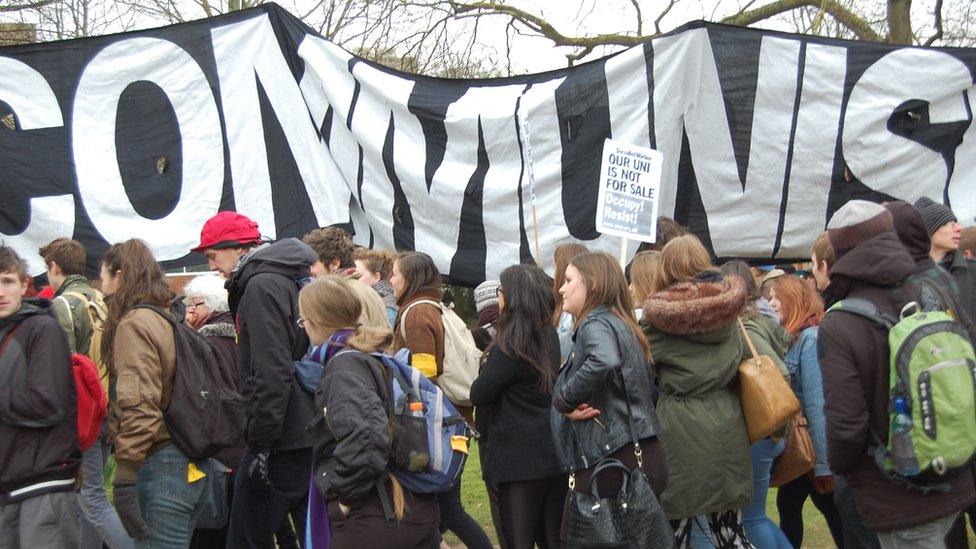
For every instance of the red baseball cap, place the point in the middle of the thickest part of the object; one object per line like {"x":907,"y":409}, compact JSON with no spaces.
{"x":228,"y":227}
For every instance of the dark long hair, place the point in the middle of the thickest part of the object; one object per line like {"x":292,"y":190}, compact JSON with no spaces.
{"x":523,"y":324}
{"x":419,"y":274}
{"x":141,"y":280}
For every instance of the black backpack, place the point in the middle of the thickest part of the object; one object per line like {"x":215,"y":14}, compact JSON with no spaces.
{"x":206,"y":411}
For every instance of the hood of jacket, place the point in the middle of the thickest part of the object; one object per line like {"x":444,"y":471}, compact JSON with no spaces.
{"x":219,"y":324}
{"x":880,"y":261}
{"x":289,"y":257}
{"x":699,"y":306}
{"x":28,"y":308}
{"x":910,"y":229}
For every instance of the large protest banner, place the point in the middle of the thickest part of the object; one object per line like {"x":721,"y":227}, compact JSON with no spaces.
{"x":763,"y":135}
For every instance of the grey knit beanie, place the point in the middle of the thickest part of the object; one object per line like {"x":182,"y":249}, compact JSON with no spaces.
{"x":486,"y":294}
{"x":856,"y":222}
{"x":934,"y":215}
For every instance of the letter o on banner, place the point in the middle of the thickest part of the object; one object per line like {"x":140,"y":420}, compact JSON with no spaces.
{"x":102,"y":83}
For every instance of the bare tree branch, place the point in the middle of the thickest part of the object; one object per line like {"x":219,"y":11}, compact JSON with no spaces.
{"x":660,"y":17}
{"x":857,"y":24}
{"x":640,"y":18}
{"x":938,"y":24}
{"x":8,"y":8}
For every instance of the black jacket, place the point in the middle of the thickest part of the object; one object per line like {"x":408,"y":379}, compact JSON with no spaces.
{"x":603,"y":347}
{"x":39,"y":449}
{"x":854,"y":359}
{"x":263,"y":296}
{"x":351,"y":430}
{"x":964,"y":272}
{"x":512,"y":416}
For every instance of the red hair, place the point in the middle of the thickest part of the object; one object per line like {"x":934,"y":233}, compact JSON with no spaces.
{"x":800,"y":305}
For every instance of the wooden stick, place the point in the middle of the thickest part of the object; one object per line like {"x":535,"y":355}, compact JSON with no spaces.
{"x":535,"y":231}
{"x":623,"y":252}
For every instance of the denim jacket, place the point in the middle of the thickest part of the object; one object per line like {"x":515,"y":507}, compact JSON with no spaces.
{"x":804,"y":367}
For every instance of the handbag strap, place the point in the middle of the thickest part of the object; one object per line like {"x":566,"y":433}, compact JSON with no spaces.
{"x":638,"y":453}
{"x":745,"y":334}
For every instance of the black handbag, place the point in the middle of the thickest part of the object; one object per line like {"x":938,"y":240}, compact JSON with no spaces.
{"x":632,"y":519}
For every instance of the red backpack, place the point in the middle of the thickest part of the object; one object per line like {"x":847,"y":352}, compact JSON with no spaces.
{"x":91,"y":400}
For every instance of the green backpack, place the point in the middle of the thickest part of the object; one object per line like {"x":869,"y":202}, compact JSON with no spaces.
{"x":932,"y":398}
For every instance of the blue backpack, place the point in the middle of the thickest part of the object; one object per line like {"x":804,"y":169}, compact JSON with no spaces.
{"x":429,"y":444}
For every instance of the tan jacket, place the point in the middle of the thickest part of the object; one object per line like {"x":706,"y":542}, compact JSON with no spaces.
{"x":143,"y":366}
{"x":423,"y":333}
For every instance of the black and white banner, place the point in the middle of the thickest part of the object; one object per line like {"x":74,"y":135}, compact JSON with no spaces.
{"x":763,"y":135}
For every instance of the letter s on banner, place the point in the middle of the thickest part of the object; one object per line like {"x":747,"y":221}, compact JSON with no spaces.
{"x":35,"y":106}
{"x":93,"y":143}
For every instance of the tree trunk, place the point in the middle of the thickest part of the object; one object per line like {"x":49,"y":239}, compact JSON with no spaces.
{"x":900,"y":22}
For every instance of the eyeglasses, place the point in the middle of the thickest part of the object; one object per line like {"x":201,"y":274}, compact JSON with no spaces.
{"x":195,"y":305}
{"x":301,"y":322}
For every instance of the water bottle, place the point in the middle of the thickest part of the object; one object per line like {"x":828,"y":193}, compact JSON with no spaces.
{"x":902,"y":453}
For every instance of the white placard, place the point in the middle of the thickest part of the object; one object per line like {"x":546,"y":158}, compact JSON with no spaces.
{"x":630,"y":183}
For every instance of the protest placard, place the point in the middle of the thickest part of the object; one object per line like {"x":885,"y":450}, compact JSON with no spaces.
{"x":630,"y":184}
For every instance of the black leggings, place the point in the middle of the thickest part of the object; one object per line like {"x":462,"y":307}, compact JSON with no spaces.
{"x":789,"y":502}
{"x":457,"y":520}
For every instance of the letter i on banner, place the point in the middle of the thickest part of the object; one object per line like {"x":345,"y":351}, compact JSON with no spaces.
{"x":530,"y":171}
{"x":630,"y":184}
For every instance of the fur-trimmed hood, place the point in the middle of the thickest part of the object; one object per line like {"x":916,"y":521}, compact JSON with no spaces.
{"x":698,"y":306}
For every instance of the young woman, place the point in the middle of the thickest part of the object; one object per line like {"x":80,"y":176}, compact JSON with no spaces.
{"x":609,"y":365}
{"x":375,"y":268}
{"x":352,"y":439}
{"x":513,"y":394}
{"x":417,"y":285}
{"x":691,"y":325}
{"x":800,"y":309}
{"x":771,"y":340}
{"x":157,"y":503}
{"x":562,"y":320}
{"x":643,"y":278}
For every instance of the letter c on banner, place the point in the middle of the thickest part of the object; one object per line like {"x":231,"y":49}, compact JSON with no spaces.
{"x":102,"y":83}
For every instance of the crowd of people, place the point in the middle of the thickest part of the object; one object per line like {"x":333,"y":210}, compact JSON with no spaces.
{"x":594,"y":365}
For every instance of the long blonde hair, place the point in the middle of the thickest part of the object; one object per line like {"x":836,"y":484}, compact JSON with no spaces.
{"x":330,"y":304}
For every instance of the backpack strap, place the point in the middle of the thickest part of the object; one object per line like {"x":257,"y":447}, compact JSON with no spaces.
{"x":403,"y":315}
{"x":865,"y":309}
{"x":160,"y":311}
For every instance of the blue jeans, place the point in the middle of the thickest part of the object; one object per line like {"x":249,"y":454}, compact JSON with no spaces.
{"x":169,"y":503}
{"x":761,"y":531}
{"x":99,"y":520}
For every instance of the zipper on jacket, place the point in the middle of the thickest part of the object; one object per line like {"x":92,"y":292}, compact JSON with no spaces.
{"x":325,"y":415}
{"x":586,"y":464}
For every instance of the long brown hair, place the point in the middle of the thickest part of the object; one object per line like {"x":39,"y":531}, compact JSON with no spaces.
{"x":523,"y":323}
{"x":800,"y":305}
{"x":140,"y":281}
{"x":330,"y":304}
{"x":683,"y":259}
{"x":419,"y":275}
{"x":606,"y":285}
{"x":560,"y":258}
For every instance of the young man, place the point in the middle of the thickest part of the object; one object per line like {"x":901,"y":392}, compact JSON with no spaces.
{"x":854,"y":356}
{"x":263,"y":281}
{"x":334,"y":249}
{"x":945,"y":232}
{"x":64,"y":260}
{"x":39,"y":453}
{"x":967,"y":242}
{"x":823,"y":259}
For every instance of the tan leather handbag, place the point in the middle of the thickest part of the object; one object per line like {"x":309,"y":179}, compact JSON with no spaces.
{"x":768,"y":401}
{"x":798,"y":457}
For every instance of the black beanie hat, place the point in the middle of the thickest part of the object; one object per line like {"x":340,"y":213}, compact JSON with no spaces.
{"x":934,"y":215}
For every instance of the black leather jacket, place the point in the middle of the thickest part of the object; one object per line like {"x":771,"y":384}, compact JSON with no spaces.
{"x":603,"y":349}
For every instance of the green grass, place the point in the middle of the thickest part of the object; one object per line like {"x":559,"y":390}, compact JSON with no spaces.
{"x":475,"y":499}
